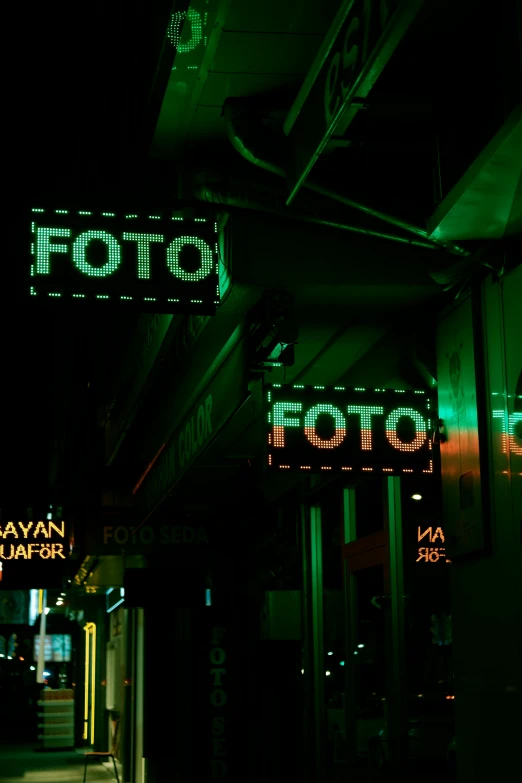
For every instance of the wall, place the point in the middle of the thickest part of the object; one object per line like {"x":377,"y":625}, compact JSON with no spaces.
{"x":487,"y":618}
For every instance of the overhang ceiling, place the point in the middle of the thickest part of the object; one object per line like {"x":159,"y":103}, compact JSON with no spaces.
{"x":245,"y":49}
{"x":486,"y":203}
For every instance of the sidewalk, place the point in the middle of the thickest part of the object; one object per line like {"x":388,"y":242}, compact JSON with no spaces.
{"x":22,"y":764}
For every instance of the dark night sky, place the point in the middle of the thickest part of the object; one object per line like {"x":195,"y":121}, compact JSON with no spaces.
{"x":54,"y":105}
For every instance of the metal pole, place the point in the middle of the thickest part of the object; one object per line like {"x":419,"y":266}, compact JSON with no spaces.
{"x":41,"y":652}
{"x":397,"y":711}
{"x":350,"y":610}
{"x":308,"y":704}
{"x":316,"y":591}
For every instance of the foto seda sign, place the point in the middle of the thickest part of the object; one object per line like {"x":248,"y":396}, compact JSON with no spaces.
{"x":361,"y":40}
{"x":161,"y":262}
{"x":321,"y":428}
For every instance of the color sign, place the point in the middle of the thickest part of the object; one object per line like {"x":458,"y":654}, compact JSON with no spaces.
{"x":320,"y":428}
{"x":161,"y":262}
{"x":223,"y":396}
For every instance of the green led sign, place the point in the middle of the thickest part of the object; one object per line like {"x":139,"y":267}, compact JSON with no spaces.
{"x":318,"y":428}
{"x":162,"y":262}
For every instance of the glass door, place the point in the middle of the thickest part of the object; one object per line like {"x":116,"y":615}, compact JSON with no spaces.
{"x":367,"y":589}
{"x":374,"y":709}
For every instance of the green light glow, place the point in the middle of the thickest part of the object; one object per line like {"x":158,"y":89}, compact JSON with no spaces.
{"x":37,"y":209}
{"x":108,"y":214}
{"x":113,"y":254}
{"x":366,"y":412}
{"x":82,"y":212}
{"x":143,"y":242}
{"x":79,"y":296}
{"x":174,"y":250}
{"x":130,"y":217}
{"x":173,"y":30}
{"x":125,"y":297}
{"x":61,"y":211}
{"x":280,"y":410}
{"x":102,"y":296}
{"x":154,"y":217}
{"x":44,"y":248}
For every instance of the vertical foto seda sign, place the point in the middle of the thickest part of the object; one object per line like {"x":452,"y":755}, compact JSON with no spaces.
{"x":158,"y":261}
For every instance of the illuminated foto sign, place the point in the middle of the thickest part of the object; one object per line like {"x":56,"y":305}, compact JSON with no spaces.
{"x":32,"y":541}
{"x":316,"y":428}
{"x":161,"y":262}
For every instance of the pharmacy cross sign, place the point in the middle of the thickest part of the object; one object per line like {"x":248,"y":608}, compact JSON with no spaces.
{"x":160,"y":261}
{"x":333,"y":428}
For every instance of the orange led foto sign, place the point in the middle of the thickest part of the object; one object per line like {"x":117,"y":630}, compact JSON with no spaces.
{"x":316,"y":428}
{"x":32,"y":540}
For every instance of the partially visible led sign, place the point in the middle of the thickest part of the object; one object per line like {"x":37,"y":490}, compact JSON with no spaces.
{"x":431,"y":551}
{"x":318,"y":428}
{"x":188,"y":33}
{"x":41,"y":541}
{"x":164,"y":262}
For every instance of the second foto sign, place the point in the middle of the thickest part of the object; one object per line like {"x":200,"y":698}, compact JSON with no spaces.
{"x":317,"y":428}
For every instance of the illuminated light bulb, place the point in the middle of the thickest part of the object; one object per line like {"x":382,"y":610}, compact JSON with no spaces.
{"x":360,"y":646}
{"x":341,"y":663}
{"x":32,"y":668}
{"x":9,"y":657}
{"x":47,"y":674}
{"x":355,"y":652}
{"x":330,"y":653}
{"x":416,"y":497}
{"x":47,"y":609}
{"x":328,"y":673}
{"x":302,"y":671}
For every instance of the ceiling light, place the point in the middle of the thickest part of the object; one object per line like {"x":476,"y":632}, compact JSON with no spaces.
{"x":416,"y":497}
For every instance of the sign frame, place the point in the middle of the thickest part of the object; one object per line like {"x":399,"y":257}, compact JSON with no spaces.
{"x":310,"y":129}
{"x":291,"y":447}
{"x":153,"y":260}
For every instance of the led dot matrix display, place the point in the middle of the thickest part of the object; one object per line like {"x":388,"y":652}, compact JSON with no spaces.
{"x":317,"y":428}
{"x":153,"y":261}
